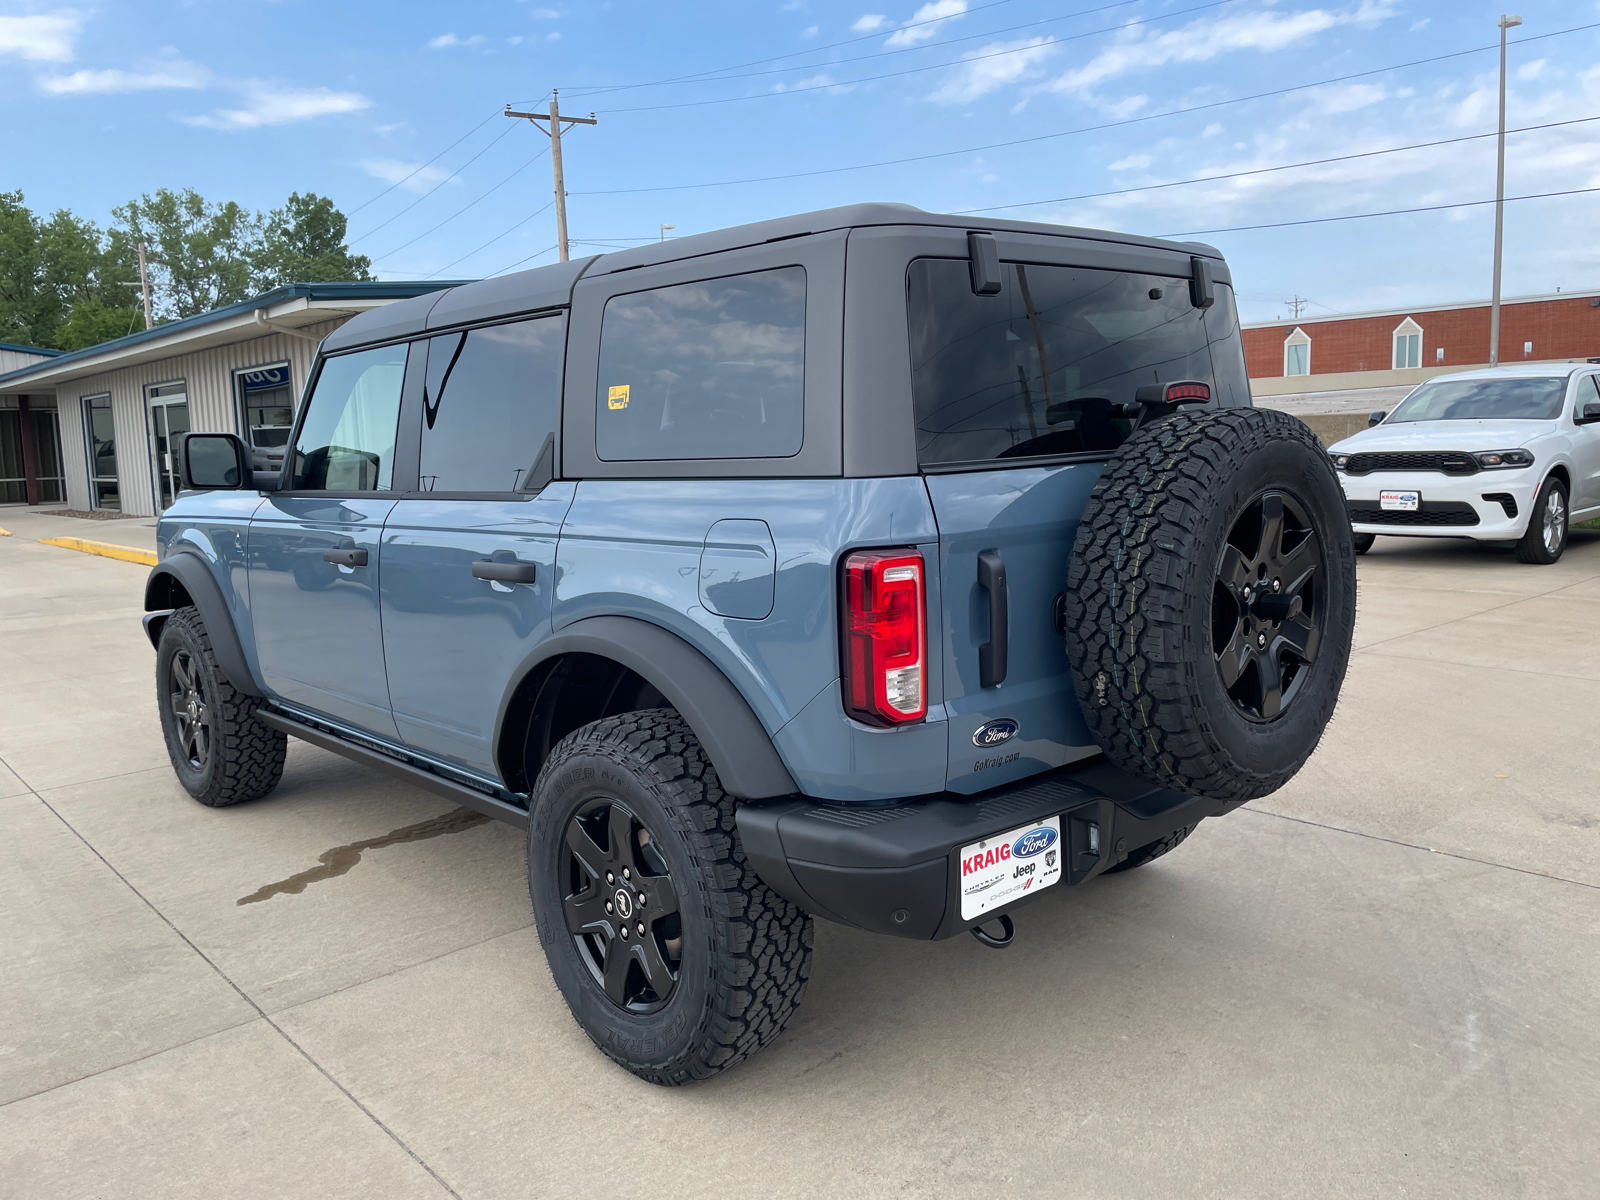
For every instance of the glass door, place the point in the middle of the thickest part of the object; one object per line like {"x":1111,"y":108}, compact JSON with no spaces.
{"x":169,"y":417}
{"x":102,"y":435}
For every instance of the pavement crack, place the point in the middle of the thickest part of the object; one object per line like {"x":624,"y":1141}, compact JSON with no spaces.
{"x":339,"y":860}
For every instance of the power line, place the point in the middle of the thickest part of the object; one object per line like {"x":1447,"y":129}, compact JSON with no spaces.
{"x":431,"y":190}
{"x":1044,"y":137}
{"x":597,"y":89}
{"x":1393,"y":212}
{"x":913,"y":49}
{"x":429,"y":163}
{"x":1313,"y":162}
{"x":490,"y":242}
{"x":520,"y":261}
{"x":796,"y":91}
{"x":463,"y":209}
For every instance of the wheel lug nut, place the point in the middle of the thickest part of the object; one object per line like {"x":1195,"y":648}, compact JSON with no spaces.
{"x":1277,"y":585}
{"x":610,"y":878}
{"x":1261,"y":639}
{"x":626,"y":874}
{"x":608,"y":906}
{"x":639,"y":899}
{"x":641,"y":928}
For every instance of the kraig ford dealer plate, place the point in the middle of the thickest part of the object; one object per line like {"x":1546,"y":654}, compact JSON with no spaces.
{"x":1006,"y":867}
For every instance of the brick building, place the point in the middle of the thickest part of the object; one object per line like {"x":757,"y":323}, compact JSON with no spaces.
{"x":1406,"y":345}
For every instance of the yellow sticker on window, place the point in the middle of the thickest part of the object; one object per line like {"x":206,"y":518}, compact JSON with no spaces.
{"x":617,"y":397}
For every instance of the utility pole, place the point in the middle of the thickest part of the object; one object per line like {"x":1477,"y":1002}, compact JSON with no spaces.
{"x":1297,"y":304}
{"x":555,"y":119}
{"x":1499,"y":197}
{"x":144,"y":287}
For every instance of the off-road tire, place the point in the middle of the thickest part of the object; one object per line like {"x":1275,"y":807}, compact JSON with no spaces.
{"x":245,"y":759}
{"x":1154,"y":850}
{"x":1140,"y":600}
{"x":1531,"y":548}
{"x":1363,"y":542}
{"x":746,"y":951}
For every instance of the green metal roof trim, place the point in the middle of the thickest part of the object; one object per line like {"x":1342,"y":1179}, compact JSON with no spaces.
{"x":375,"y":290}
{"x":31,"y":349}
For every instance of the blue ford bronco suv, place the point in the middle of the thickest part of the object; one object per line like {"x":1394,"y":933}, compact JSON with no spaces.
{"x":871,"y":564}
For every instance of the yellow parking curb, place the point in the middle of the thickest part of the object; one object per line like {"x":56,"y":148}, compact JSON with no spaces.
{"x":5,"y":533}
{"x":104,"y":549}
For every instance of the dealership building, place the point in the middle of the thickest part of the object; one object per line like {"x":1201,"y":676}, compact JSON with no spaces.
{"x":1404,"y":346}
{"x":94,"y":427}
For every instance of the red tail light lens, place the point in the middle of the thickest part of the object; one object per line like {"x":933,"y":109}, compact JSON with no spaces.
{"x":1188,"y":391}
{"x":885,"y":637}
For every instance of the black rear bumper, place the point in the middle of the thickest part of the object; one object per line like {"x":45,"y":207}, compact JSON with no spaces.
{"x":897,"y":870}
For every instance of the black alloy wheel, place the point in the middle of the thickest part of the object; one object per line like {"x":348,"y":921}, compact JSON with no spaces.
{"x":621,"y":907}
{"x":1267,"y":612}
{"x":191,"y":711}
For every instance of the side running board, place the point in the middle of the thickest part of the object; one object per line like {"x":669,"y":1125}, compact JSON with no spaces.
{"x":410,"y":772}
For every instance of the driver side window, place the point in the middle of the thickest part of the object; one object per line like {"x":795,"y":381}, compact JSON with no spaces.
{"x":347,"y":441}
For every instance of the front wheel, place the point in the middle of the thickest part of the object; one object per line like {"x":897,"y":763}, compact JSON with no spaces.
{"x":1547,"y":526}
{"x":1364,"y":542}
{"x":221,"y":752}
{"x":673,"y":956}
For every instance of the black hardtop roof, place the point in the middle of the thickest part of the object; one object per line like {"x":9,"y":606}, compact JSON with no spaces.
{"x":551,"y":286}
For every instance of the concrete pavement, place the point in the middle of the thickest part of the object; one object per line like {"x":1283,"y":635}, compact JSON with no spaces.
{"x":1384,"y":980}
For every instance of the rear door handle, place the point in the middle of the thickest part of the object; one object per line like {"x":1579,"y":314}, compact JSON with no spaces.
{"x":992,"y":656}
{"x":505,"y":572}
{"x":345,"y":556}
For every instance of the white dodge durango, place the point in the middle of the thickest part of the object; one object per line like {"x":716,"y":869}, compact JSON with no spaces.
{"x":1503,"y":454}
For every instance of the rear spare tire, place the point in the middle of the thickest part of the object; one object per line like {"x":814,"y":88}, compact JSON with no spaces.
{"x":1211,"y":600}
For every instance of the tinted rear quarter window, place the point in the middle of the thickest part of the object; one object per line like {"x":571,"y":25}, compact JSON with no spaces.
{"x":1045,"y":366}
{"x":491,"y":407}
{"x":713,"y":369}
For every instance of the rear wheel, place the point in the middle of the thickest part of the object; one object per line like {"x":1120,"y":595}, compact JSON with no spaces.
{"x":1364,"y":542}
{"x":673,"y":956}
{"x":221,"y":753}
{"x":1211,"y":602}
{"x":1547,"y":526}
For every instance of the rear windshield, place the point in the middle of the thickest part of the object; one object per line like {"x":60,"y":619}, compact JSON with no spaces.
{"x":1045,"y":366}
{"x":1484,"y":399}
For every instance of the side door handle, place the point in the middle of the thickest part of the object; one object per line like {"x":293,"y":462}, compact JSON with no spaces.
{"x":505,"y":572}
{"x":345,"y":556}
{"x":992,"y":656}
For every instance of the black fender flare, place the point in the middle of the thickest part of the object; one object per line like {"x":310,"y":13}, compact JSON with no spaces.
{"x":747,"y":762}
{"x":187,"y":571}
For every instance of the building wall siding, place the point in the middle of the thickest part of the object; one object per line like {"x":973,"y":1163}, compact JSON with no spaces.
{"x":1558,"y":329}
{"x":213,"y":406}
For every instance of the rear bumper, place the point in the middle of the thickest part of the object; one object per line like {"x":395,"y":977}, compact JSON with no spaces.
{"x":897,"y":870}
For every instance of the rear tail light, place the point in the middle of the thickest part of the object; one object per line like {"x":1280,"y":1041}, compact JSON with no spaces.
{"x":885,"y":637}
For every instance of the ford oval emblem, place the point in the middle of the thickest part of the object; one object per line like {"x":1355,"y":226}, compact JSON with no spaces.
{"x":992,"y":733}
{"x":1035,"y":841}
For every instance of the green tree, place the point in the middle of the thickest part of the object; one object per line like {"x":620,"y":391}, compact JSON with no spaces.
{"x":91,"y":322}
{"x":199,"y":253}
{"x":50,"y":267}
{"x":304,"y":242}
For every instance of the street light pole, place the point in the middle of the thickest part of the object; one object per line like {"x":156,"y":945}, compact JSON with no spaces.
{"x":664,"y":229}
{"x":555,"y":119}
{"x":1499,"y":197}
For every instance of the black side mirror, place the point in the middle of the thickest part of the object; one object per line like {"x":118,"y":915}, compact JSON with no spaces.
{"x":1374,"y":418}
{"x":211,"y":462}
{"x":1591,"y":412}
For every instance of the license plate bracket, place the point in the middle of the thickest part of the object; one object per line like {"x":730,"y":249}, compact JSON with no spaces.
{"x":1009,"y":866}
{"x":1400,"y":500}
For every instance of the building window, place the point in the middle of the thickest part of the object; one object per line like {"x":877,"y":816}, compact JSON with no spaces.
{"x":101,"y":435}
{"x":1407,"y":345}
{"x":1297,"y":353}
{"x":266,"y":404}
{"x":1438,"y":354}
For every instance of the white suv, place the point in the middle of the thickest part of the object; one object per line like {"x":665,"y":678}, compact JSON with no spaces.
{"x":1507,"y":453}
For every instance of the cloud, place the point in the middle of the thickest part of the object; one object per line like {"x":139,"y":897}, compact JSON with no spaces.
{"x":45,"y":38}
{"x":870,"y":23}
{"x":553,"y":37}
{"x":514,"y":41}
{"x":544,"y":14}
{"x":1531,"y":70}
{"x":1345,"y":98}
{"x":810,"y":31}
{"x":416,"y":178}
{"x":925,"y":22}
{"x":821,"y":80}
{"x":266,"y":105}
{"x":172,"y":72}
{"x":993,"y":67}
{"x":1134,"y":162}
{"x":1204,"y":39}
{"x":1211,"y":130}
{"x":445,"y":40}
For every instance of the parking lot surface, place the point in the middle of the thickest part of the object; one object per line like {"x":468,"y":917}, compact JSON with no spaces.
{"x":1382,"y":981}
